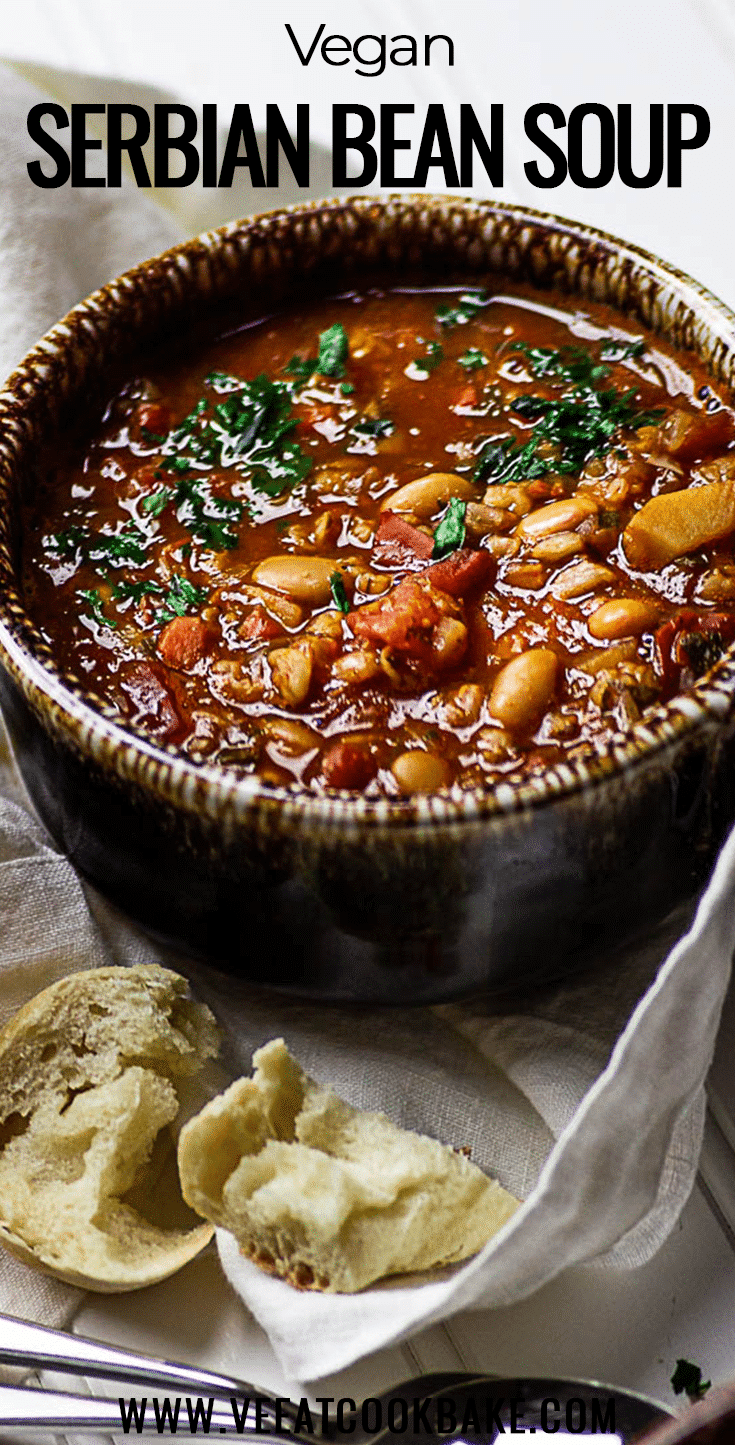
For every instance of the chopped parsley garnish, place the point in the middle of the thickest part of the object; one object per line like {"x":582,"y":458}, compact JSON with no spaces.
{"x":112,"y":548}
{"x":334,"y":349}
{"x":95,"y":607}
{"x":450,"y":533}
{"x":128,"y":545}
{"x":69,"y":543}
{"x":347,"y":388}
{"x":687,"y":1379}
{"x":472,"y":359}
{"x":155,"y":502}
{"x":250,"y":430}
{"x":569,"y":363}
{"x":509,"y":461}
{"x":209,"y":518}
{"x":573,"y":427}
{"x":434,"y":355}
{"x":126,"y":589}
{"x":464,"y":310}
{"x":301,"y":367}
{"x":220,"y":381}
{"x":182,"y":597}
{"x":622,"y":350}
{"x":369,"y":426}
{"x":339,"y":596}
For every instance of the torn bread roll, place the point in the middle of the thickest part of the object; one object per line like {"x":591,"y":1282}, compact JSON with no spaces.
{"x":91,"y":1074}
{"x":326,"y":1196}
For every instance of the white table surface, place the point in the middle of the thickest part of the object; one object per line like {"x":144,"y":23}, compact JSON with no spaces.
{"x":625,"y":1328}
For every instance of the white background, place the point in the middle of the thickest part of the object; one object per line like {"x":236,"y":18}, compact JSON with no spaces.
{"x":514,"y":52}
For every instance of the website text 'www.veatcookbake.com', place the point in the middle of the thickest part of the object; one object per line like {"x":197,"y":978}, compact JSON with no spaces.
{"x":484,"y":1418}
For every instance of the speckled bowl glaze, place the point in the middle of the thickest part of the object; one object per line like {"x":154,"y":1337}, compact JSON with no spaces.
{"x":336,"y":897}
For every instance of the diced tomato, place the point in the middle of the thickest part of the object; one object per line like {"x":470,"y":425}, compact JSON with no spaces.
{"x":467,"y":396}
{"x":153,"y":416}
{"x":155,"y":706}
{"x":543,"y":490}
{"x":663,"y":640}
{"x":398,"y":544}
{"x":183,"y":642}
{"x":686,"y":435}
{"x":461,"y":572}
{"x":314,"y":415}
{"x":347,"y":765}
{"x":259,"y":626}
{"x":404,"y":619}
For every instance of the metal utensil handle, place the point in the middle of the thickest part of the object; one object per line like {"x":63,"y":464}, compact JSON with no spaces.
{"x":26,"y":1411}
{"x":37,"y":1347}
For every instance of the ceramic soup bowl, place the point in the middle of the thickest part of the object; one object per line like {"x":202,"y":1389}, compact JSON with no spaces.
{"x":339,"y":897}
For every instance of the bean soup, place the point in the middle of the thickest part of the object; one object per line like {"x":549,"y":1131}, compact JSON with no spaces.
{"x":396,"y":541}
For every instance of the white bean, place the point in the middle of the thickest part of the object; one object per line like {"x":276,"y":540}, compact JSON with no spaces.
{"x":581,"y":577}
{"x":419,"y":772}
{"x":556,"y":517}
{"x":559,"y":547}
{"x":623,"y":617}
{"x":425,"y":496}
{"x":305,"y":579}
{"x":291,"y":669}
{"x":524,"y":688}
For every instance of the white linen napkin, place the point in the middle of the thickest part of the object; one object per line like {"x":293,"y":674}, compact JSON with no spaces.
{"x":587,"y":1103}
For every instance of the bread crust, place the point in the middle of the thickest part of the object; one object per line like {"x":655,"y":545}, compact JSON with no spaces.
{"x":91,"y":1074}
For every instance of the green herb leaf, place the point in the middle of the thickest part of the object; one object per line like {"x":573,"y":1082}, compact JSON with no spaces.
{"x":369,"y":426}
{"x":434,"y":355}
{"x":222,"y":381}
{"x":137,"y":590}
{"x":568,"y":363}
{"x":339,"y":596}
{"x":464,"y":310}
{"x":505,"y":460}
{"x":333,"y":351}
{"x":622,"y":351}
{"x":687,"y":1379}
{"x":70,"y":543}
{"x":182,"y":597}
{"x":112,"y":548}
{"x":155,"y":502}
{"x":95,"y":607}
{"x":450,"y":533}
{"x":574,"y":426}
{"x":473,"y":359}
{"x":127,"y":545}
{"x":249,"y":430}
{"x":301,"y":367}
{"x":582,"y":423}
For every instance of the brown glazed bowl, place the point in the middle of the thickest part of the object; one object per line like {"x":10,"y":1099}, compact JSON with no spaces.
{"x":341,"y":898}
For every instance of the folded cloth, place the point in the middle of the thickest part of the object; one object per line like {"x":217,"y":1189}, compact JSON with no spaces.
{"x":586,"y":1102}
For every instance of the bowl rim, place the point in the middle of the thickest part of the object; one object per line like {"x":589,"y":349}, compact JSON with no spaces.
{"x":216,"y":791}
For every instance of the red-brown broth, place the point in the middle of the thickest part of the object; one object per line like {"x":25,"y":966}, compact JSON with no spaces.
{"x":396,"y":678}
